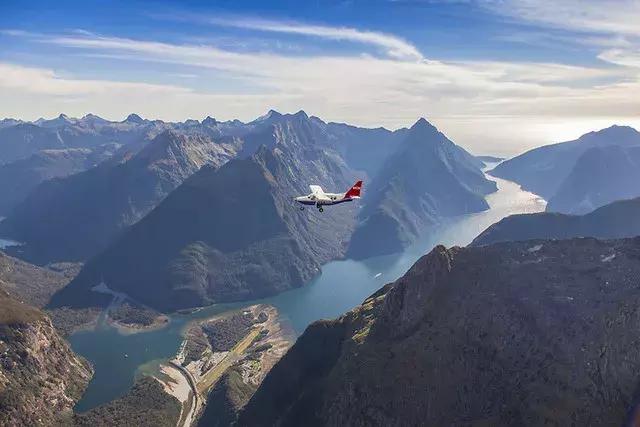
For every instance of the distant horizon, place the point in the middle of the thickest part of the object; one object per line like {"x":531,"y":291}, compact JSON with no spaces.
{"x":473,"y":151}
{"x":500,"y":76}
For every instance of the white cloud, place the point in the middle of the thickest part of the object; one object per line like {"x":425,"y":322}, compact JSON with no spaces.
{"x":489,"y":106}
{"x":394,"y":46}
{"x":609,"y":16}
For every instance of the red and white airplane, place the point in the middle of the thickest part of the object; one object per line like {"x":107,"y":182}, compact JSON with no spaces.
{"x":319,"y":198}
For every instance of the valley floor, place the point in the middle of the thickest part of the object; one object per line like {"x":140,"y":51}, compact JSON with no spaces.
{"x":206,"y":355}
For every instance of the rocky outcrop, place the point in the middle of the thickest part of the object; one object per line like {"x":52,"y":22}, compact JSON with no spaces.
{"x":427,"y":179}
{"x":544,"y":169}
{"x":524,"y":333}
{"x":616,"y":220}
{"x":40,"y":377}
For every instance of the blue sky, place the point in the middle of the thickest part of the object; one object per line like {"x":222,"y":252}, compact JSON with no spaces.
{"x":495,"y":75}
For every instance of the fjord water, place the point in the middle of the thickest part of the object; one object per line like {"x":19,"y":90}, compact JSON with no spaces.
{"x":341,"y":286}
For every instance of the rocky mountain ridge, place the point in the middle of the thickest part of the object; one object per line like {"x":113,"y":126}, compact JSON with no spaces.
{"x":614,"y":221}
{"x":519,"y":333}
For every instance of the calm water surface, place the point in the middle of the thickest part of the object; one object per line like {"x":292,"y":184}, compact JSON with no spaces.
{"x":341,"y":286}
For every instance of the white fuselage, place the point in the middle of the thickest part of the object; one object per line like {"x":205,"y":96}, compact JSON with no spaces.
{"x":324,"y":199}
{"x":319,"y":198}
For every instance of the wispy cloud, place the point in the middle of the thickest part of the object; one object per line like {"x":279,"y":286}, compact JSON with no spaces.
{"x":611,"y":16}
{"x":461,"y":96}
{"x":612,"y":25}
{"x":393,"y":46}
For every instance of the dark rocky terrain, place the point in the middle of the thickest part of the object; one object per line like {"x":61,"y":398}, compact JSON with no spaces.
{"x":544,"y":169}
{"x":40,"y":377}
{"x":616,"y":220}
{"x":426,"y":179}
{"x":231,"y":233}
{"x":600,"y":176}
{"x":521,"y":333}
{"x":73,"y":218}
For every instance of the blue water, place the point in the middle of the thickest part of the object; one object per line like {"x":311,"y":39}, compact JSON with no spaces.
{"x":341,"y":286}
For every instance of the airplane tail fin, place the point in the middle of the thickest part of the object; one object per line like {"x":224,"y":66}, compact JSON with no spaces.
{"x":355,"y":190}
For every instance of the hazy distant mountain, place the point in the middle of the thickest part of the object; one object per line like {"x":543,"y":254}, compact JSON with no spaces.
{"x":363,"y":149}
{"x":613,"y":221}
{"x":535,"y":333}
{"x":232,"y":233}
{"x":426,"y":179}
{"x":18,"y":178}
{"x":600,"y":176}
{"x":22,"y":139}
{"x":9,"y":122}
{"x":542,"y":170}
{"x":490,"y":159}
{"x":75,"y":217}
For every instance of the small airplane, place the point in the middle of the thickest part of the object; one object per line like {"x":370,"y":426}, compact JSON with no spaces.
{"x":319,"y":198}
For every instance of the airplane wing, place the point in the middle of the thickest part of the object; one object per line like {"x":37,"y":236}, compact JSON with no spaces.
{"x":317,"y":191}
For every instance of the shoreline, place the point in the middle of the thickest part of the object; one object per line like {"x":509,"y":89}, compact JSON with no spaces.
{"x":161,"y":322}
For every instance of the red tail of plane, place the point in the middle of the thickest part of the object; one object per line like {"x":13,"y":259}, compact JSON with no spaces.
{"x":355,"y":190}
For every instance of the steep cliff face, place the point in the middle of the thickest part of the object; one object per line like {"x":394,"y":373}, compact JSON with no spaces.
{"x":232,"y":233}
{"x":40,"y":377}
{"x":527,"y":333}
{"x":426,"y":179}
{"x":73,"y":218}
{"x":616,"y":220}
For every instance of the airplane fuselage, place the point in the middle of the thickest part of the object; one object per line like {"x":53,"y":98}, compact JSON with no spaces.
{"x":331,"y":199}
{"x":319,"y":198}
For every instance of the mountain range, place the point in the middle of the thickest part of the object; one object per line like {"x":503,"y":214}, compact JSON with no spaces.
{"x":543,"y":170}
{"x":233,"y":233}
{"x":72,"y":218}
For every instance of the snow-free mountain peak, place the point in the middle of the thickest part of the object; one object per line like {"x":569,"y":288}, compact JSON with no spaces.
{"x":134,"y":118}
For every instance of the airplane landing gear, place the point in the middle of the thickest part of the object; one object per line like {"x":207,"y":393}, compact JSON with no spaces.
{"x":301,"y":208}
{"x":320,"y":209}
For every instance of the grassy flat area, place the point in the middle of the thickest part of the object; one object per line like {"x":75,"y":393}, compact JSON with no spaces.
{"x":213,"y":375}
